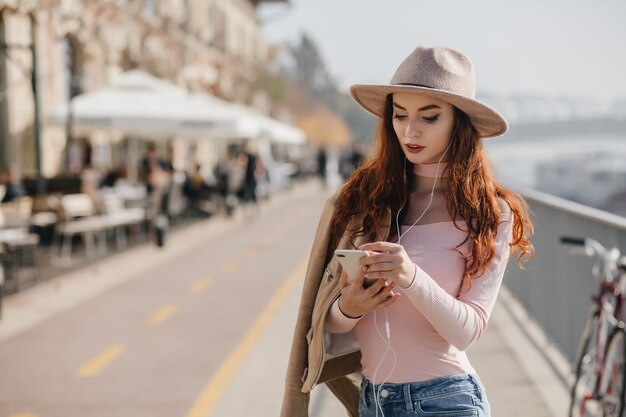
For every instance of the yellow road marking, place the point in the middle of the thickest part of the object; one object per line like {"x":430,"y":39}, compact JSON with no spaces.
{"x":160,"y":316}
{"x":230,"y":266}
{"x":200,"y":285}
{"x":97,"y":364}
{"x":206,"y":401}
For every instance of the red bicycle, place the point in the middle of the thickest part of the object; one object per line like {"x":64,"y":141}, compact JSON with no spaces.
{"x":599,"y":385}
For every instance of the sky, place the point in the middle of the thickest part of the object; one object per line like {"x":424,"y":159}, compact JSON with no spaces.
{"x":552,"y":48}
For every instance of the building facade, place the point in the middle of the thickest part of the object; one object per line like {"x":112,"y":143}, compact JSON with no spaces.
{"x":215,"y":46}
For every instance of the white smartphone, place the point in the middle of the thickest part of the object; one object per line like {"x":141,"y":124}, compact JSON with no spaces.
{"x":349,"y":260}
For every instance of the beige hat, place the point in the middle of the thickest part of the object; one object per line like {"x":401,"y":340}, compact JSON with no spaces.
{"x":443,"y":73}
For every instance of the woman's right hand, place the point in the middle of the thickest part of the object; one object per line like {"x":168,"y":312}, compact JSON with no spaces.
{"x":356,"y":300}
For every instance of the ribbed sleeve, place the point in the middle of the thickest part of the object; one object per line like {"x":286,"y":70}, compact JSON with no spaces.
{"x":463,"y":319}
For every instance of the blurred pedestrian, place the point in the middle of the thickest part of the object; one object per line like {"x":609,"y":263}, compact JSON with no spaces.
{"x":157,"y":176}
{"x":322,"y":161}
{"x":351,"y":160}
{"x":437,"y":231}
{"x":357,"y":156}
{"x":250,"y":182}
{"x":230,"y":175}
{"x":198,"y":191}
{"x":90,"y":181}
{"x":13,"y":187}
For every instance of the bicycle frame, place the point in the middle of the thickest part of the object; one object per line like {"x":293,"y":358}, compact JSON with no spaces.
{"x":610,"y":316}
{"x":608,"y":305}
{"x":611,"y":381}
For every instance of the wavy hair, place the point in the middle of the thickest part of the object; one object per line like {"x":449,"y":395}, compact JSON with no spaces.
{"x":379,"y":184}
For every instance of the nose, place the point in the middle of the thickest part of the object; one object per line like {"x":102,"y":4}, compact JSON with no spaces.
{"x":412,"y":128}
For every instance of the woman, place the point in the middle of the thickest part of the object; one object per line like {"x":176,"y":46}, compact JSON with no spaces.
{"x":438,"y":230}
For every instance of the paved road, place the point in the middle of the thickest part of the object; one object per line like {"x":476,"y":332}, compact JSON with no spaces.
{"x":150,"y":345}
{"x":199,"y":329}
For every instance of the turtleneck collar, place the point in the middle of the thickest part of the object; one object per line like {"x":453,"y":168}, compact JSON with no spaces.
{"x":430,"y":170}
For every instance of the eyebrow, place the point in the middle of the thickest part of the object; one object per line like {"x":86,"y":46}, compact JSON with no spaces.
{"x":427,"y":107}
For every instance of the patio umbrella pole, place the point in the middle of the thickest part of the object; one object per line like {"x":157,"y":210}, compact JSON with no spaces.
{"x":41,"y":184}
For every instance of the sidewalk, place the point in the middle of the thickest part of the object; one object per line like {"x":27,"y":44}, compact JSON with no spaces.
{"x":519,"y":380}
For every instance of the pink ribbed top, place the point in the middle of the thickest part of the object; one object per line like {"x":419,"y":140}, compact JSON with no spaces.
{"x":434,"y":321}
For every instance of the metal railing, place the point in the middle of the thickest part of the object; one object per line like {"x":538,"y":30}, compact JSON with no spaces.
{"x":556,"y":287}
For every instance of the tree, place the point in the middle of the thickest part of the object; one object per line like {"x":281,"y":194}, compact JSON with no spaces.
{"x":303,"y":83}
{"x":309,"y":68}
{"x":310,"y":71}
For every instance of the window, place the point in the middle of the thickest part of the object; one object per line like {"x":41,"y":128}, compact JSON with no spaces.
{"x":184,"y":16}
{"x":217,"y":26}
{"x":150,"y":6}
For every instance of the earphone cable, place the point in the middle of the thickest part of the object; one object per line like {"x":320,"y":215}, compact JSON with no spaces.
{"x":432,"y":193}
{"x":388,"y":348}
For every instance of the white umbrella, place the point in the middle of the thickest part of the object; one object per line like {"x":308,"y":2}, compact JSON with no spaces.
{"x":282,"y":132}
{"x":252,"y":125}
{"x":141,"y":104}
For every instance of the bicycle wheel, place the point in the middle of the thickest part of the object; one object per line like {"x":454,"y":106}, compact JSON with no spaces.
{"x":613,"y":384}
{"x":586,"y":368}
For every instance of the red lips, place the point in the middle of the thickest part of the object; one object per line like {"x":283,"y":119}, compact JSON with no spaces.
{"x":413,"y":148}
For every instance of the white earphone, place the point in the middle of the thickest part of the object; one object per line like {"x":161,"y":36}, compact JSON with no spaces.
{"x":389,"y":348}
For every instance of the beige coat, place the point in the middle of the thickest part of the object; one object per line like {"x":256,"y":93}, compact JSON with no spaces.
{"x":317,"y":357}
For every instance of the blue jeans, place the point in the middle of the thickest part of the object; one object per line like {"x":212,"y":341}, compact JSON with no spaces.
{"x":451,"y":396}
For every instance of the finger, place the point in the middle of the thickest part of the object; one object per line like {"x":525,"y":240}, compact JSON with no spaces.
{"x":383,"y":291}
{"x":381,"y":267}
{"x":379,"y":275}
{"x":388,"y":301}
{"x":344,"y":279}
{"x":382,"y":294}
{"x":368,"y":260}
{"x":373,"y":289}
{"x":377,"y":258}
{"x":360,"y":278}
{"x":380,"y":246}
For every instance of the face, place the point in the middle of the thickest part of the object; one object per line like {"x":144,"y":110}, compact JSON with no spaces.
{"x":423,"y":125}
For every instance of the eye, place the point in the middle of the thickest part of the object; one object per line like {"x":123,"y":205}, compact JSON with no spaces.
{"x":399,"y":116}
{"x":432,"y":119}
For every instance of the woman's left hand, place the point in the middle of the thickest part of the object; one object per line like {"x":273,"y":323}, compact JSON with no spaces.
{"x":388,"y":261}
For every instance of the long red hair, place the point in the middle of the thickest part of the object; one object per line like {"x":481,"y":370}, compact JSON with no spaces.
{"x":379,"y":184}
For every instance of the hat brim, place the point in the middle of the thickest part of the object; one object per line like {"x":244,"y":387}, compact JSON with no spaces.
{"x":487,"y":121}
